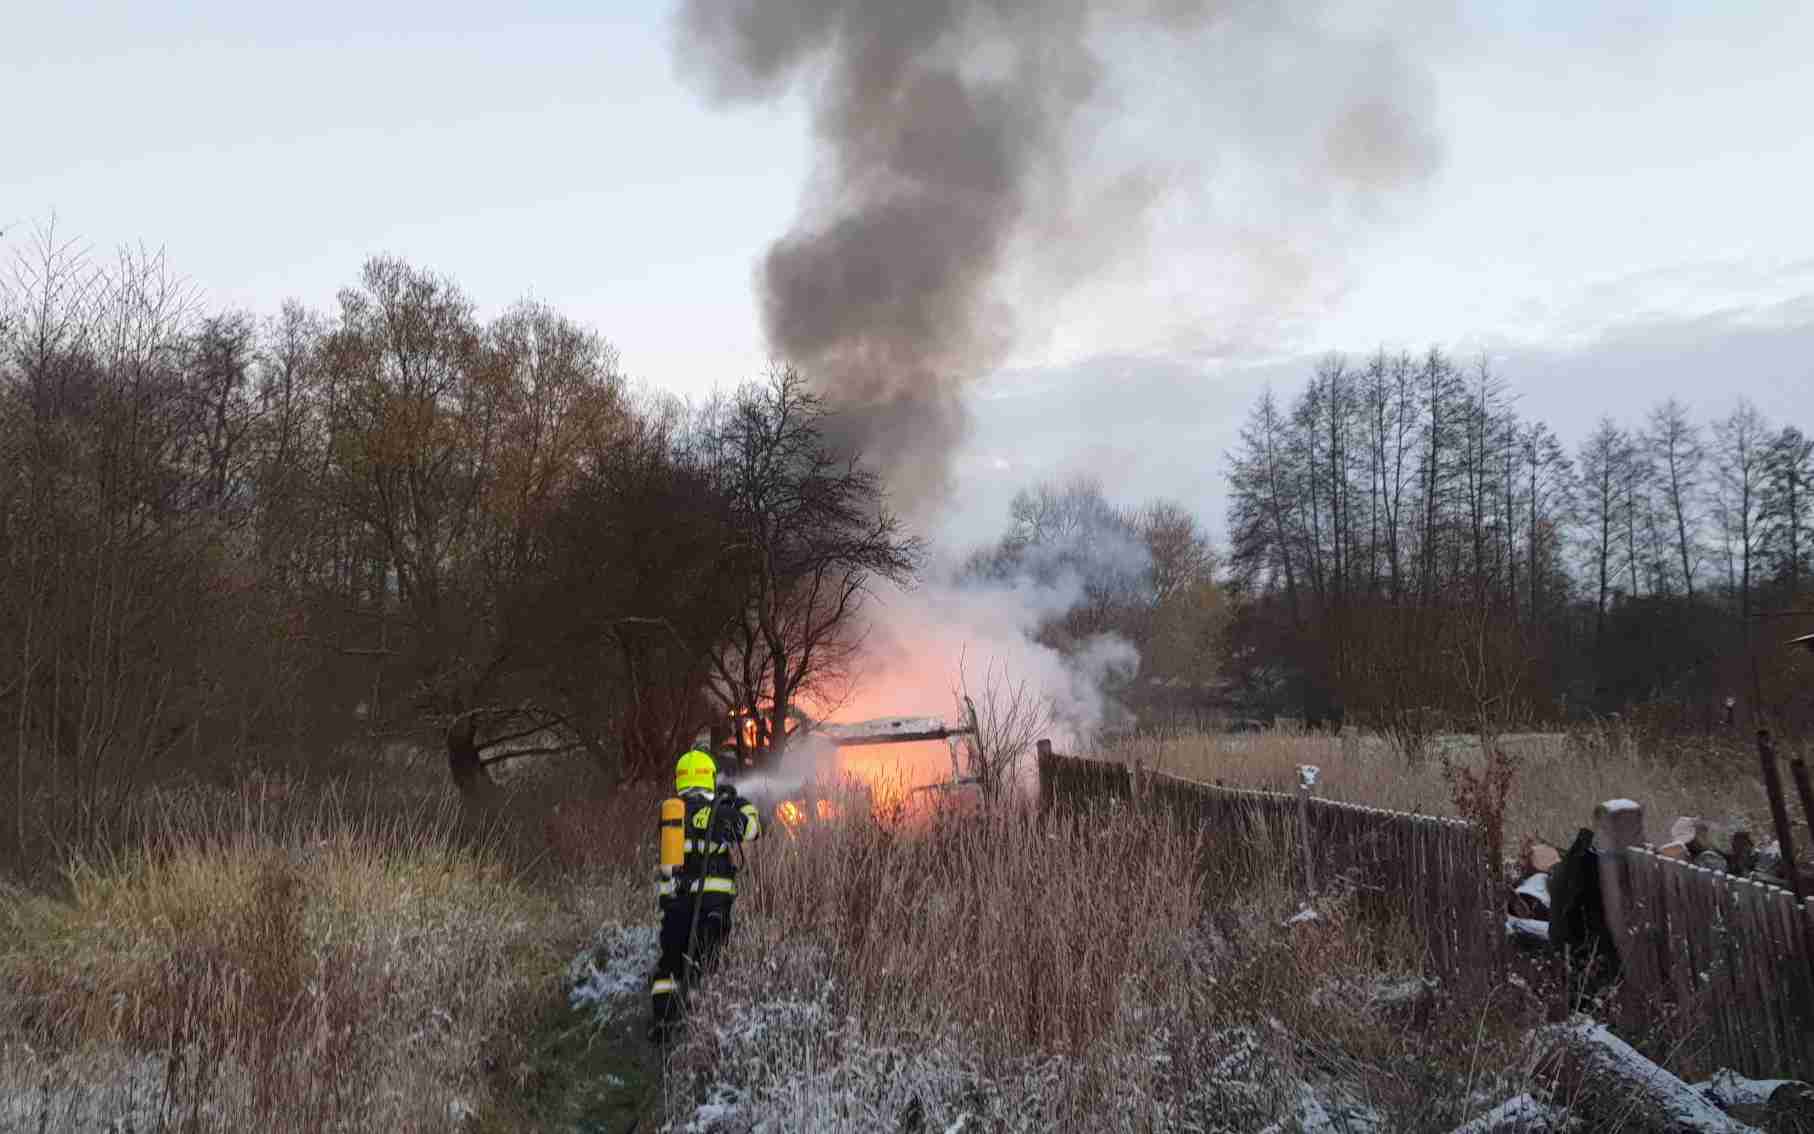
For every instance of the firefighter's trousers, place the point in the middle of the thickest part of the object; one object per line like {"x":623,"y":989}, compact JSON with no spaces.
{"x":674,"y":976}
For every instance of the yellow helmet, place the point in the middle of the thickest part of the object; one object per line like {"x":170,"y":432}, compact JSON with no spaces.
{"x":696,"y":769}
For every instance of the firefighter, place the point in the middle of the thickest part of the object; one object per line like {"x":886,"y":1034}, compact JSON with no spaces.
{"x":697,"y":882}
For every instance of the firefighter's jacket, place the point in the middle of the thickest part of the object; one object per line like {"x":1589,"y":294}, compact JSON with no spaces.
{"x":707,"y":867}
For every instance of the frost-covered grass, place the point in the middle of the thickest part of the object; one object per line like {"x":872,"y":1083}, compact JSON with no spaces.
{"x":303,"y":970}
{"x":1111,"y":972}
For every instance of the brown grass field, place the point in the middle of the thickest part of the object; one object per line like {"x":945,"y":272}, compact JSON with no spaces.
{"x":322,"y":966}
{"x":1559,"y":779}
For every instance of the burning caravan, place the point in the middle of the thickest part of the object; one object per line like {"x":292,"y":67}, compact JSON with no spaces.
{"x":740,"y":749}
{"x":741,"y":746}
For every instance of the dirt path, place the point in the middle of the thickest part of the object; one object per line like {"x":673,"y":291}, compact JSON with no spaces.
{"x":585,"y":1067}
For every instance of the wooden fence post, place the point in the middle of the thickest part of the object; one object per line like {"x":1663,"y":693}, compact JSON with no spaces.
{"x":1779,"y":809}
{"x":1618,"y":823}
{"x":1798,"y":768}
{"x":1773,"y":784}
{"x":1307,"y":774}
{"x":1048,"y":789}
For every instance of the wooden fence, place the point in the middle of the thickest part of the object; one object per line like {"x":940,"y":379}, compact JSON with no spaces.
{"x":1716,"y":966}
{"x":1427,"y":870}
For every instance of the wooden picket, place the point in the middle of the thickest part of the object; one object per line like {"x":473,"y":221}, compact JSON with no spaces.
{"x":1428,"y":870}
{"x":1719,"y":967}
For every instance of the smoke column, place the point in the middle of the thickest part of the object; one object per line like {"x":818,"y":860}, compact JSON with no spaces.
{"x":958,"y":137}
{"x":977,"y":162}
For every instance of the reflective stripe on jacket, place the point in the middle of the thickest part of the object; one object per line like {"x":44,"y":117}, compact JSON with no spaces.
{"x":668,"y":887}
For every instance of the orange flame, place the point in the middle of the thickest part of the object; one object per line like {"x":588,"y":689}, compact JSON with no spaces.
{"x":791,"y":815}
{"x":751,"y":728}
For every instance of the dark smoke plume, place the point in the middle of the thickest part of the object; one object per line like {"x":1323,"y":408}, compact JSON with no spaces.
{"x":948,"y":129}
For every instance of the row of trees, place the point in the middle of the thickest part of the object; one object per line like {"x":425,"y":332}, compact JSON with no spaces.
{"x":1409,"y":549}
{"x":223,"y":536}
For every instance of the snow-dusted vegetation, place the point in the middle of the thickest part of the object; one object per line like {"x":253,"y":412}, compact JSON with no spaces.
{"x":1108,"y":972}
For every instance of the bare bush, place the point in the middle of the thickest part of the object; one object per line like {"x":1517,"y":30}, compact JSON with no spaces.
{"x":1009,"y":718}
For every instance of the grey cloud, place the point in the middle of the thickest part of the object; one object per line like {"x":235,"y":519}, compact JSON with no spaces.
{"x":1163,"y":426}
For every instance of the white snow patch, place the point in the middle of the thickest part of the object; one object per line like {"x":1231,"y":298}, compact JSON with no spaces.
{"x":1536,"y":887}
{"x":795,"y":1065}
{"x":1382,"y":991}
{"x":1728,"y":1088}
{"x":1683,"y":1104}
{"x":1614,"y":806}
{"x":616,"y":967}
{"x":1528,"y":928}
{"x":749,"y":1026}
{"x":105,"y":1090}
{"x":1303,"y":915}
{"x":1520,"y":1113}
{"x":1328,"y":1112}
{"x":1307,"y":775}
{"x":722,"y":1104}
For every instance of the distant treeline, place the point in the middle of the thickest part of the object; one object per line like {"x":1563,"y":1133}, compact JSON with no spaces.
{"x":226,"y":538}
{"x":1407,"y":551}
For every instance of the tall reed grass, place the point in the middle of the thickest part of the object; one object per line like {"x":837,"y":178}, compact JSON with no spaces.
{"x":1106,"y":971}
{"x":276,"y":960}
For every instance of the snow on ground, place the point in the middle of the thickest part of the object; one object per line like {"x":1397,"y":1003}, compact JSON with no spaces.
{"x":1729,"y":1089}
{"x":616,"y":967}
{"x":1685,"y":1108}
{"x":795,"y":1065}
{"x":1328,"y":1111}
{"x":1521,"y":1113}
{"x":1381,"y":992}
{"x":103,"y":1091}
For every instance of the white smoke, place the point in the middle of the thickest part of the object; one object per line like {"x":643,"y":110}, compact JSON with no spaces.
{"x":808,"y":759}
{"x":926,"y":645}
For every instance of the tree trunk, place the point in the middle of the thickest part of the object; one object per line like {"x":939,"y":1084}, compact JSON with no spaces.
{"x":777,"y":738}
{"x":463,"y":764}
{"x":1600,"y":1077}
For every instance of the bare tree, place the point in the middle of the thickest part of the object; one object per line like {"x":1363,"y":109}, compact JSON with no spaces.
{"x":1741,"y":448}
{"x":1788,"y":507}
{"x":1550,"y":497}
{"x":1010,"y":716}
{"x":815,"y":531}
{"x":1674,"y":444}
{"x":113,"y":557}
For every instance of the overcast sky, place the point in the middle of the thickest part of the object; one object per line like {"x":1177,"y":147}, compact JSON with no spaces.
{"x":1620,"y":211}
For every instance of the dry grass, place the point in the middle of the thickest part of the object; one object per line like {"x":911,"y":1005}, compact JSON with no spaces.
{"x":1106,"y":972}
{"x":275,"y":961}
{"x":1559,"y":777}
